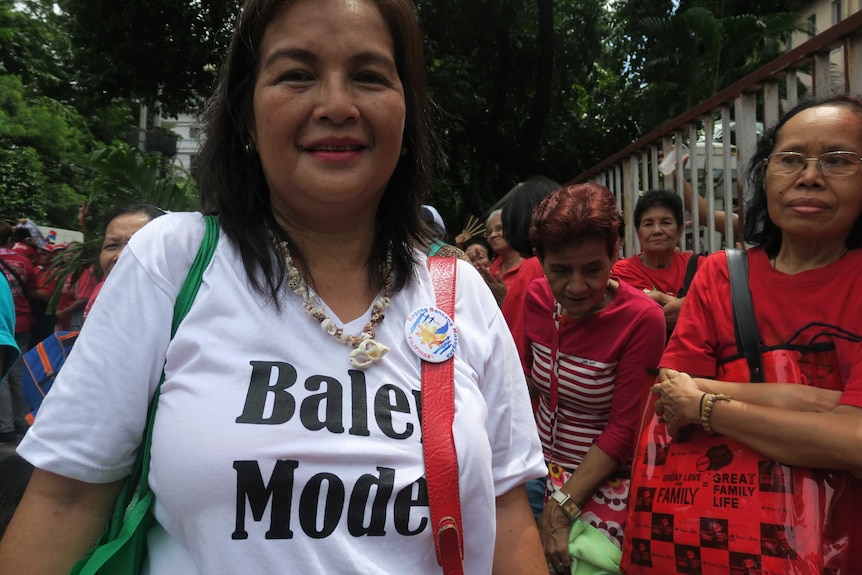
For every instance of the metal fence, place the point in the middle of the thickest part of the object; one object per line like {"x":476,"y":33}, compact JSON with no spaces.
{"x":720,"y":134}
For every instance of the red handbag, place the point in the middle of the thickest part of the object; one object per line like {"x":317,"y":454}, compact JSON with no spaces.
{"x":438,"y":414}
{"x":707,"y":504}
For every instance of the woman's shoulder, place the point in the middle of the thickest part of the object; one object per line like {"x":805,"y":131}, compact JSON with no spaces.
{"x":634,"y":299}
{"x":176,"y":229}
{"x":626,"y":264}
{"x":167,"y":245}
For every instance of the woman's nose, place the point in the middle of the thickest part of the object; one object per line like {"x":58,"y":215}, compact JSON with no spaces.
{"x":335,"y":102}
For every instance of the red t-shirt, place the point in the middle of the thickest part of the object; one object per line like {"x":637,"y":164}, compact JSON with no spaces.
{"x":603,"y":371}
{"x":668,"y":280}
{"x":93,"y":296}
{"x":24,"y":269}
{"x":72,"y":292}
{"x":517,"y":280}
{"x":823,"y":301}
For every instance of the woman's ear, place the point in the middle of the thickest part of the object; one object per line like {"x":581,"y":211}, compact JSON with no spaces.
{"x":251,"y":143}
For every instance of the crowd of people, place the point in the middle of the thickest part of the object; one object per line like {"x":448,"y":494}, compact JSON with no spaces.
{"x":32,"y":267}
{"x":295,"y":382}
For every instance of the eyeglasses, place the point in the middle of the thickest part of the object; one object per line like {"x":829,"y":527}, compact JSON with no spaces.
{"x":830,"y":164}
{"x":498,"y":229}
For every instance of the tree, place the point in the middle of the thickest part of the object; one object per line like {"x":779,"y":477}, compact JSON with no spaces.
{"x":503,"y":76}
{"x":39,"y":137}
{"x":682,"y":57}
{"x":122,"y":174}
{"x":160,"y":52}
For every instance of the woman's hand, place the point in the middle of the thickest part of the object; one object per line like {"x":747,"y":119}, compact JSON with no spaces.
{"x":670,"y":305}
{"x":679,"y":400}
{"x":495,"y":282}
{"x":554,"y":527}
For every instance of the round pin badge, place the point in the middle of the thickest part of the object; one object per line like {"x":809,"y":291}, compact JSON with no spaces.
{"x":431,"y":334}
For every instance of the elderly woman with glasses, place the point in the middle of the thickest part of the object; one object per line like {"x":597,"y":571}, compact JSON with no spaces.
{"x":805,"y":219}
{"x":508,"y":276}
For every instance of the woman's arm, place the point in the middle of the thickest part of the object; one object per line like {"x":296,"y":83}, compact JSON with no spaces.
{"x":789,"y":396}
{"x":826,"y":438}
{"x":670,"y":305}
{"x":495,"y":283}
{"x":57,"y":522}
{"x":554,"y":525}
{"x":517,"y":549}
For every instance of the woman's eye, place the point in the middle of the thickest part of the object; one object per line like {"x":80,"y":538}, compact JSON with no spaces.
{"x":370,"y":78}
{"x":295,"y":76}
{"x":789,"y":160}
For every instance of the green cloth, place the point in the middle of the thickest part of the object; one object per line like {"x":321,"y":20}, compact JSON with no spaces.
{"x":591,"y":552}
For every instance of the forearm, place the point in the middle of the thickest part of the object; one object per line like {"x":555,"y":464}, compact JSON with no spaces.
{"x":789,"y":396}
{"x":593,"y":471}
{"x":517,"y":549}
{"x":57,"y":522}
{"x":826,"y":440}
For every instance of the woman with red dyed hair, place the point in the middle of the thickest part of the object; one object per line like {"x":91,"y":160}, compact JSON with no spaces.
{"x":591,"y":341}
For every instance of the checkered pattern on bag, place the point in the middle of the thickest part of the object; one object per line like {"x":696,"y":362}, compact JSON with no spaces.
{"x":704,"y":504}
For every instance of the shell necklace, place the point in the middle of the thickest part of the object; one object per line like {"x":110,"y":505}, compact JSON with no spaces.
{"x":366,"y":351}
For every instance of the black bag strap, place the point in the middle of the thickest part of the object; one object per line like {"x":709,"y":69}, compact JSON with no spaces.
{"x":690,"y":270}
{"x":744,"y":323}
{"x":14,"y":273}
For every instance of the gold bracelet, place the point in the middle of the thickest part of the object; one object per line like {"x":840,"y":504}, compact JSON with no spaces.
{"x":706,"y":409}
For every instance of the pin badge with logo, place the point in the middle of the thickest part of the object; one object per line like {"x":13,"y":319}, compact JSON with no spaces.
{"x":431,"y":334}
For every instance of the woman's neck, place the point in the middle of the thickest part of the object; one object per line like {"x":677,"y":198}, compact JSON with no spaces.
{"x":510,"y":259}
{"x":656,"y":261}
{"x":805,"y":254}
{"x":335,"y":265}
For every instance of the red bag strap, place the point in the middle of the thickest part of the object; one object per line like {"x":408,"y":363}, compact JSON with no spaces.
{"x":438,"y":413}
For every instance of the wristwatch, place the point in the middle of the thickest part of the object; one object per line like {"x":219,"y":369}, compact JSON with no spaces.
{"x":567,"y":504}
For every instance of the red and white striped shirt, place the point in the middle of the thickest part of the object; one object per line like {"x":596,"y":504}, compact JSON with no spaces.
{"x":603,"y":364}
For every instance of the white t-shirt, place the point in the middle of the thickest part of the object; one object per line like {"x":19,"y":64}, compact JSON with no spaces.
{"x":270,"y":453}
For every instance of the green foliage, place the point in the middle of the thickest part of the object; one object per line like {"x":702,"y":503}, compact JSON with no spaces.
{"x":39,"y":138}
{"x":121,"y":174}
{"x":149,"y":50}
{"x":520,"y":87}
{"x":27,"y":50}
{"x":680,"y":58}
{"x":504,"y":76}
{"x":22,"y":180}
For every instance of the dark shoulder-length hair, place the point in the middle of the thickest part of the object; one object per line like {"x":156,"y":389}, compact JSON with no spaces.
{"x":231,"y":180}
{"x":573,"y":214}
{"x":759,"y":228}
{"x":518,"y":211}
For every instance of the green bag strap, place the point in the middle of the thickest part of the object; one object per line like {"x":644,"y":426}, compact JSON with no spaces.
{"x":135,"y":499}
{"x":183,"y":304}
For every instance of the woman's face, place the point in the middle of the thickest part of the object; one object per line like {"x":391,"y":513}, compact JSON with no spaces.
{"x":809,"y":205}
{"x":117,"y":235}
{"x":658,"y":231}
{"x":578,"y":276}
{"x":494,"y":233}
{"x":329,"y":108}
{"x":478,"y":255}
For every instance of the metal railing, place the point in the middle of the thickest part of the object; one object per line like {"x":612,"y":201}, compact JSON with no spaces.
{"x":828,"y":63}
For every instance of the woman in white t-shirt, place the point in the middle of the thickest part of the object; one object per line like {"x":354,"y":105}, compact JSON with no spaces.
{"x":276,"y":447}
